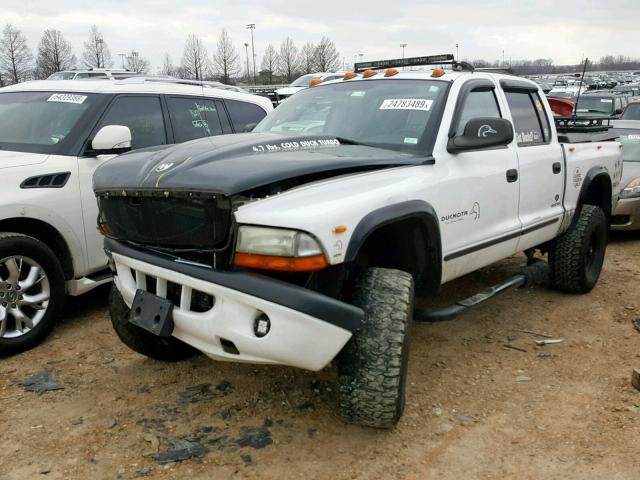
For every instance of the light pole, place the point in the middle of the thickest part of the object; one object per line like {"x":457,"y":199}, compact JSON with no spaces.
{"x":252,"y":27}
{"x":503,"y":57}
{"x":122,"y":55}
{"x":403,"y":46}
{"x":457,"y":52}
{"x":100,"y":42}
{"x":246,"y":50}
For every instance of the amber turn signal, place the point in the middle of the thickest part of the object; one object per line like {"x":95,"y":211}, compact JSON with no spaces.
{"x":437,"y":72}
{"x":314,"y":82}
{"x":349,"y":75}
{"x":280,"y":264}
{"x":390,"y":72}
{"x":368,"y":73}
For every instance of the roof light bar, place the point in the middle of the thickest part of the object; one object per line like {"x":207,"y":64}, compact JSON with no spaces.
{"x":446,"y":58}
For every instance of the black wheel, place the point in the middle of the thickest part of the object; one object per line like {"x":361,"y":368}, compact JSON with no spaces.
{"x":575,"y":259}
{"x":139,"y":340}
{"x":32,"y":292}
{"x":372,"y":368}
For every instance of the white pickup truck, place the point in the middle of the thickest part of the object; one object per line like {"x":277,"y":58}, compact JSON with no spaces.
{"x":53,"y":135}
{"x":306,"y":240}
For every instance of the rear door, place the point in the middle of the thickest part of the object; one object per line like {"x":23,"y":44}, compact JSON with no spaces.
{"x":196,"y":117}
{"x":540,"y":163}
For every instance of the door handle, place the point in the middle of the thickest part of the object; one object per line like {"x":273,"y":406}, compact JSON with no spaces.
{"x":557,"y":167}
{"x":512,"y":175}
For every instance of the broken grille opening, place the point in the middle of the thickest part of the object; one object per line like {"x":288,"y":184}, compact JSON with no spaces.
{"x":186,"y":298}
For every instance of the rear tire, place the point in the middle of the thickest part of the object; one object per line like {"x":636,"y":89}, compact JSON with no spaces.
{"x":139,"y":340}
{"x":32,"y":292}
{"x":576,"y":258}
{"x":372,"y":368}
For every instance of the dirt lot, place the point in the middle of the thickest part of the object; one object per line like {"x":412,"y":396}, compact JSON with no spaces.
{"x":475,"y":408}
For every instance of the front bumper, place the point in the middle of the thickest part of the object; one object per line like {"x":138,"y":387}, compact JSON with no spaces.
{"x":307,"y":329}
{"x":626,"y":216}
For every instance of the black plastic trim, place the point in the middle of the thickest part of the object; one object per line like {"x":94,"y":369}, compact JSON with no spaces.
{"x":34,"y":182}
{"x":467,"y":88}
{"x":395,"y":213}
{"x":514,"y":84}
{"x":592,"y":174}
{"x":495,"y":241}
{"x":291,"y":296}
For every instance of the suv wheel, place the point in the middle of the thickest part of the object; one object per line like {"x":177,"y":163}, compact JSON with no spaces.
{"x":372,"y":368}
{"x":31,"y":292}
{"x":575,"y":259}
{"x":139,"y":340}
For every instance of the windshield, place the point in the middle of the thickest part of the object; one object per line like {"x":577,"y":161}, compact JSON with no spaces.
{"x":594,"y":104}
{"x":630,"y":140}
{"x":40,"y":122}
{"x":304,"y":81}
{"x":632,"y":112}
{"x":386,"y":113}
{"x":62,"y":76}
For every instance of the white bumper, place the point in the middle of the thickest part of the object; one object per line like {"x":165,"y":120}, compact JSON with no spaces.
{"x":295,"y":338}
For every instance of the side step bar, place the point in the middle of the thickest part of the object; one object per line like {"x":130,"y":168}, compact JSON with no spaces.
{"x":534,"y":274}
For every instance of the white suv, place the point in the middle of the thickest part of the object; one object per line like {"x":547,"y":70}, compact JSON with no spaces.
{"x":53,"y":135}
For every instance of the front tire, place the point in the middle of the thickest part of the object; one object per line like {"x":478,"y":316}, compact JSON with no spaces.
{"x":139,"y":340}
{"x":576,"y":258}
{"x":372,"y":368}
{"x":32,"y":292}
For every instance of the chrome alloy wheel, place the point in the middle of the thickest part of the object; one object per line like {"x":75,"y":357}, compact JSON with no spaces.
{"x":24,"y":295}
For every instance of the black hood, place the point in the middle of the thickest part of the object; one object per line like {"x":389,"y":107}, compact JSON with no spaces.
{"x":231,"y":164}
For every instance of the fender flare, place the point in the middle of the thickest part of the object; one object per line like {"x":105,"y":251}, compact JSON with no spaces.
{"x":412,"y":209}
{"x":589,"y":178}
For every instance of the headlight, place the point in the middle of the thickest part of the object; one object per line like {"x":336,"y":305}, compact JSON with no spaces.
{"x":278,"y":249}
{"x":632,"y":190}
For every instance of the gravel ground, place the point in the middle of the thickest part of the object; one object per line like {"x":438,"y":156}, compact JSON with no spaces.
{"x":476,"y":409}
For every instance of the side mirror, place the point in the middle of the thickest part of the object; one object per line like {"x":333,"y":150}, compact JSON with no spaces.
{"x":617,"y":111}
{"x":482,"y":133}
{"x":112,"y":139}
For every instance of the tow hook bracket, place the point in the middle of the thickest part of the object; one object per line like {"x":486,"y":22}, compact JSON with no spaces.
{"x":152,"y":313}
{"x":534,"y":274}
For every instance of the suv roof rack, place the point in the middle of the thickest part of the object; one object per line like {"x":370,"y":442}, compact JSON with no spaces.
{"x":444,"y":59}
{"x":178,"y":81}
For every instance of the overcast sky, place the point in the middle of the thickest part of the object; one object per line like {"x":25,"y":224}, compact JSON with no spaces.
{"x":563,"y":30}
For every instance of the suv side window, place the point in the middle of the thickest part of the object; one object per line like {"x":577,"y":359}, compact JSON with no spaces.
{"x":479,"y":103}
{"x":193,"y":118}
{"x":525,"y":118}
{"x":243,"y":114}
{"x":143,"y":116}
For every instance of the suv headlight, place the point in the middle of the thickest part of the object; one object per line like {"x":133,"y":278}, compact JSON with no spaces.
{"x":278,"y":249}
{"x":632,"y":190}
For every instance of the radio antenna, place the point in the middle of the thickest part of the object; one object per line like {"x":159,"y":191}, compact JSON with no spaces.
{"x":584,"y":69}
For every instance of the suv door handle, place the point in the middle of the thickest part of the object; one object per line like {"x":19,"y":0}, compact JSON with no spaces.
{"x":557,"y":167}
{"x":512,"y":175}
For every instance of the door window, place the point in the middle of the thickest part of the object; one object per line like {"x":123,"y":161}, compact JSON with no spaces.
{"x":193,"y":118}
{"x":143,"y":116}
{"x":244,"y":114}
{"x":525,"y":118}
{"x":478,"y":103}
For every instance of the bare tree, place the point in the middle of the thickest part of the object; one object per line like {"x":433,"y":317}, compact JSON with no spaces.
{"x":225,"y":58}
{"x":269,"y":61}
{"x":167,"y":66}
{"x":96,"y":52}
{"x":16,"y":60}
{"x":288,"y":59}
{"x":194,"y":58}
{"x":327,"y":56}
{"x":137,"y":63}
{"x":307,"y":58}
{"x":54,"y":54}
